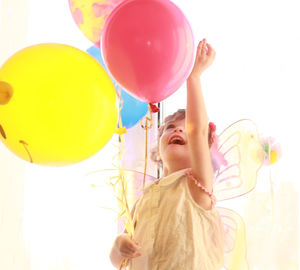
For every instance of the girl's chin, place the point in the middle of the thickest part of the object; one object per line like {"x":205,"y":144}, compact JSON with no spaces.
{"x":175,"y":153}
{"x":176,"y":148}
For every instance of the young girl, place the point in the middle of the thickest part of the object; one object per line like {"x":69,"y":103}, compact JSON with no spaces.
{"x":176,"y":224}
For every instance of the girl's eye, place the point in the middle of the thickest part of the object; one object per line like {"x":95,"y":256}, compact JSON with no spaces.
{"x":170,"y":126}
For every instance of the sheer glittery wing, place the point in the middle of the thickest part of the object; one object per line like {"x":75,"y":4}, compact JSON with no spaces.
{"x":239,"y":146}
{"x":234,"y":240}
{"x":117,"y":191}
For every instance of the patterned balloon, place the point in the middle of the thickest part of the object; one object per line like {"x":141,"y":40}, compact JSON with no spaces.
{"x":90,"y":16}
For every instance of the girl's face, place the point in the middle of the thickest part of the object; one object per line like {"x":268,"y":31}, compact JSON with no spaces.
{"x":173,"y":144}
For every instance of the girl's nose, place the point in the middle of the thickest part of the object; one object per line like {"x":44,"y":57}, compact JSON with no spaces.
{"x":178,"y":129}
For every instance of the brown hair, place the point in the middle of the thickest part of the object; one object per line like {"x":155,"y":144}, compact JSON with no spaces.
{"x":179,"y":115}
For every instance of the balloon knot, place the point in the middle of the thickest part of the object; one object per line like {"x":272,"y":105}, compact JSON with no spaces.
{"x":121,"y":130}
{"x":154,"y":108}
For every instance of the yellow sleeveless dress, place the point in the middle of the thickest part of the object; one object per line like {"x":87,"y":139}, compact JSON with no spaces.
{"x":175,"y":233}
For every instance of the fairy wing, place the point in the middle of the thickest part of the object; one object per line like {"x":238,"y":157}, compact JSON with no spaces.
{"x":235,"y":240}
{"x":242,"y":154}
{"x":117,"y":190}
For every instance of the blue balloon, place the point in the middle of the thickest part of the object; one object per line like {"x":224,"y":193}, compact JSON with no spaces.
{"x":132,"y":109}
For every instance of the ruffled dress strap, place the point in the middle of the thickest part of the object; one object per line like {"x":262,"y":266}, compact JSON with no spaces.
{"x":190,"y":175}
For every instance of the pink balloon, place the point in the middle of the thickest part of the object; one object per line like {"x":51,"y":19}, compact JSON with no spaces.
{"x":148,"y":48}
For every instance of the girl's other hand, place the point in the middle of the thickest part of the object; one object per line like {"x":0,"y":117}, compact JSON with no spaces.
{"x":204,"y":58}
{"x":127,"y":247}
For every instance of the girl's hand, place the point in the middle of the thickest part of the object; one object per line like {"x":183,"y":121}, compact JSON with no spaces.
{"x":127,"y":247}
{"x":204,"y":58}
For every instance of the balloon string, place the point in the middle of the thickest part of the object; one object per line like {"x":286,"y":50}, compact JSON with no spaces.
{"x":128,"y":221}
{"x":125,"y":211}
{"x":148,"y":124}
{"x":146,"y":157}
{"x":118,"y":92}
{"x":124,"y":262}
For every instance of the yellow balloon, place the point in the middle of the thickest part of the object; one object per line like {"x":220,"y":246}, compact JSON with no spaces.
{"x":58,"y":105}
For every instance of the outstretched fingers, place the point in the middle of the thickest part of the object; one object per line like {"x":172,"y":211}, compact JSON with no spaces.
{"x":205,"y":55}
{"x":210,"y":50}
{"x":203,"y":52}
{"x":201,"y":47}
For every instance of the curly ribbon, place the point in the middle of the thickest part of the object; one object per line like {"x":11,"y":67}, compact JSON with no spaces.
{"x":124,"y":208}
{"x":148,"y":125}
{"x":121,"y":183}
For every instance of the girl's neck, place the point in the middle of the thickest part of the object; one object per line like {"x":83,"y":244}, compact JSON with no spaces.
{"x":171,"y":168}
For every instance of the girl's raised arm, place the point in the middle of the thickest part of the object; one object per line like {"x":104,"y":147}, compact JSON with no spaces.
{"x":197,"y":127}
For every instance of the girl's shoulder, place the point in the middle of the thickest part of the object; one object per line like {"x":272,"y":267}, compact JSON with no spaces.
{"x":150,"y":184}
{"x":166,"y":180}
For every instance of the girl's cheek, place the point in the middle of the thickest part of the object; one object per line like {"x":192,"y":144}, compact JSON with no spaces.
{"x":164,"y":136}
{"x":162,"y":141}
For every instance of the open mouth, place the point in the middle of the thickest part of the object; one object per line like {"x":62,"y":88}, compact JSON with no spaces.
{"x":176,"y":140}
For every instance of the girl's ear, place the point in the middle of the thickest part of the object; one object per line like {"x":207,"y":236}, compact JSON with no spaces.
{"x":6,"y":92}
{"x":160,"y":131}
{"x":155,"y":157}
